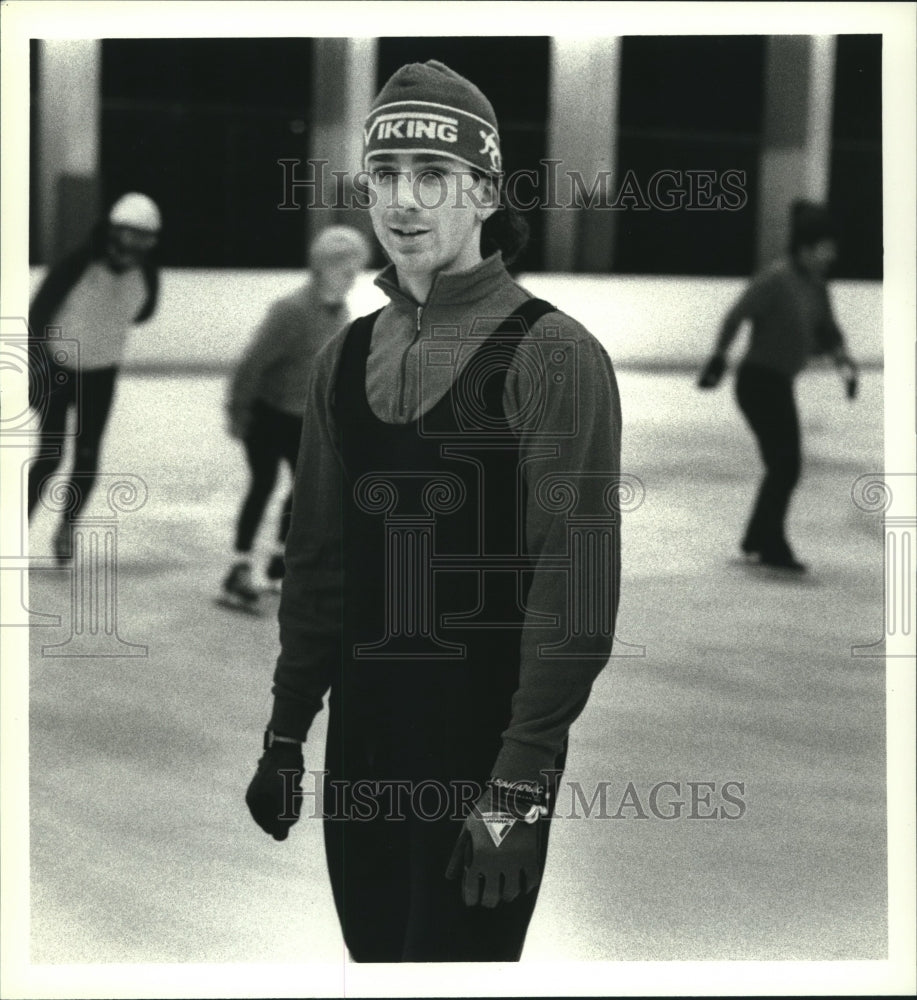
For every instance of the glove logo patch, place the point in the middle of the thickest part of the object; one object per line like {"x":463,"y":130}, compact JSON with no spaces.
{"x":498,"y":825}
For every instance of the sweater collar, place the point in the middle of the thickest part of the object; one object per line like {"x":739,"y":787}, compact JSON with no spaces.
{"x":310,"y":300}
{"x":452,"y":288}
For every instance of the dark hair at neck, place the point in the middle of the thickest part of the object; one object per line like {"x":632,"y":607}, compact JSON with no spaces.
{"x":506,"y":230}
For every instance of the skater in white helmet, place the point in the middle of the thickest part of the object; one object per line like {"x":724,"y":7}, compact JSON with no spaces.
{"x":791,"y":318}
{"x":267,"y":392}
{"x":92,"y":297}
{"x":460,"y":453}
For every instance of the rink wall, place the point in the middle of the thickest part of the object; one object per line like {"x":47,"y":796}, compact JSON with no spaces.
{"x":206,"y":318}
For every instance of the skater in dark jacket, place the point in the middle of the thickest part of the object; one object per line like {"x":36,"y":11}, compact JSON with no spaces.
{"x":92,"y":298}
{"x":453,"y":561}
{"x":792,"y":319}
{"x":267,"y":391}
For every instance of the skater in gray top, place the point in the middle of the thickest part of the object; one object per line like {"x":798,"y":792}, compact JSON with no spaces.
{"x":266,"y":396}
{"x":792,"y":319}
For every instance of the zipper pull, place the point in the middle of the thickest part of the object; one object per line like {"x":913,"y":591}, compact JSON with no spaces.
{"x":417,"y":328}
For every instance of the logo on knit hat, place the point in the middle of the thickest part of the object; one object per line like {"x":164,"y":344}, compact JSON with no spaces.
{"x":492,"y":149}
{"x":437,"y":128}
{"x":434,"y":129}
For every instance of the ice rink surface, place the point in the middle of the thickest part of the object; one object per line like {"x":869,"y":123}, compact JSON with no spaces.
{"x":142,"y":849}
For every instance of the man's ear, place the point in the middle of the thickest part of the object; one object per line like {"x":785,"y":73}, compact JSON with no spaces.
{"x":487,"y":197}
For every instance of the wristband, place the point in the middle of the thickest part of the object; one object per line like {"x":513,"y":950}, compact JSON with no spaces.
{"x":271,"y":739}
{"x":521,"y":799}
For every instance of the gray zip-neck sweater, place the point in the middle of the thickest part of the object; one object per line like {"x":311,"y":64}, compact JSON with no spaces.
{"x":276,"y":364}
{"x":570,"y":440}
{"x":791,"y":319}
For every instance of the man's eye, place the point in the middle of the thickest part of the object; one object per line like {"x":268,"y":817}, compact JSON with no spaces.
{"x":431,"y":173}
{"x":383,"y":174}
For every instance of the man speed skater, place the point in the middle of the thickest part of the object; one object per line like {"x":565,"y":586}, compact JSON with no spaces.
{"x":453,"y":560}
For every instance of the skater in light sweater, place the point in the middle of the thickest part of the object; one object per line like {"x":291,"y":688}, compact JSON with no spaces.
{"x":79,"y":322}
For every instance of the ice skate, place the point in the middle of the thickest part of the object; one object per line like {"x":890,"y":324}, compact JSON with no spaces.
{"x":784,"y":561}
{"x":276,"y":568}
{"x":750,"y":555}
{"x":239,"y":592}
{"x":781,"y":559}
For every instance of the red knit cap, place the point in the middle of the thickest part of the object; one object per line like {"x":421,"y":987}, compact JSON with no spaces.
{"x":429,"y":108}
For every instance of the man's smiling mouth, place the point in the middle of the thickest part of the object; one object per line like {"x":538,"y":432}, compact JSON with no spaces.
{"x":408,"y":230}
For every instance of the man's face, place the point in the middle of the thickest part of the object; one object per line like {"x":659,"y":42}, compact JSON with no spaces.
{"x":819,"y":257}
{"x":427,"y":212}
{"x":334,"y":279}
{"x":128,"y":246}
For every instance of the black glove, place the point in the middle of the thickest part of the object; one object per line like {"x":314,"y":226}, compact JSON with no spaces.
{"x":851,"y":376}
{"x":498,"y":852}
{"x":712,"y":372}
{"x":274,"y":796}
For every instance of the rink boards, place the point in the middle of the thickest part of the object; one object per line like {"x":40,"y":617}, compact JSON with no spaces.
{"x":206,"y":317}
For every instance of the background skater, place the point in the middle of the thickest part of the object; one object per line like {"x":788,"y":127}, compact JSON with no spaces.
{"x":791,"y":318}
{"x":457,"y":423}
{"x":93,"y":296}
{"x":267,"y":391}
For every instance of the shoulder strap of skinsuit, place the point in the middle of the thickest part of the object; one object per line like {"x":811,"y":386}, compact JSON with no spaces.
{"x":525,"y":316}
{"x":361,"y":327}
{"x":510,"y":333}
{"x":353,"y":351}
{"x":356,"y":340}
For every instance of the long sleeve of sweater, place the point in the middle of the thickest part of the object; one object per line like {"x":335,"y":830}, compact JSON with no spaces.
{"x":829,"y":338}
{"x":310,"y":604}
{"x":572,"y":466}
{"x":266,"y":347}
{"x":53,"y":290}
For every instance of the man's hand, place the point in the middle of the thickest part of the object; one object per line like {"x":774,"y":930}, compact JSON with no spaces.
{"x":712,"y":372}
{"x":851,"y":376}
{"x":274,"y":796}
{"x":236,"y":426}
{"x":498,"y":853}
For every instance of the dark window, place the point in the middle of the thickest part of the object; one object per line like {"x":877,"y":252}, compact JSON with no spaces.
{"x":513,"y":74}
{"x":689,"y":104}
{"x":856,"y":155}
{"x":199,"y":125}
{"x":35,"y":248}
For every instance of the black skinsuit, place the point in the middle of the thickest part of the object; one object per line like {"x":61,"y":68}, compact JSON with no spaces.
{"x":422,"y":696}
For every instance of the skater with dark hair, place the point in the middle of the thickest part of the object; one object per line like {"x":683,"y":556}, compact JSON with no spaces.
{"x":792,"y":319}
{"x":459,"y":446}
{"x":92,"y":297}
{"x":267,"y":392}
